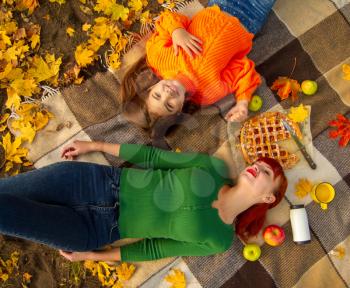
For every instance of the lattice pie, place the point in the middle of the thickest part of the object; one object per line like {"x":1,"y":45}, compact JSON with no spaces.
{"x":259,"y":137}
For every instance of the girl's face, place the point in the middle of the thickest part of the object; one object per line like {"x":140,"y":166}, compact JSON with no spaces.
{"x":166,"y":98}
{"x":259,"y":179}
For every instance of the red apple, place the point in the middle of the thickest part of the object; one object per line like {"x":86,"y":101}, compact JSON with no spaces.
{"x":274,"y":235}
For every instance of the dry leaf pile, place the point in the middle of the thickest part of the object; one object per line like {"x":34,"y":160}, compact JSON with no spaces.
{"x":25,"y":70}
{"x":110,"y":276}
{"x":9,"y":267}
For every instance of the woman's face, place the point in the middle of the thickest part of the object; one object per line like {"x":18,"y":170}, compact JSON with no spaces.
{"x":166,"y":98}
{"x":259,"y":179}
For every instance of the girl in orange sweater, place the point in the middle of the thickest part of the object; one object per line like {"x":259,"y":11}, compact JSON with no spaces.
{"x":201,"y":60}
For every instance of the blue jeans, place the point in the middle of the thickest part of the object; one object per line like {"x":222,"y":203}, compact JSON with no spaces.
{"x":73,"y":206}
{"x":251,"y":13}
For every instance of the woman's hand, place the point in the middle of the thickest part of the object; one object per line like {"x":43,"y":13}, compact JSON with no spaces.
{"x":76,"y":256}
{"x":186,"y":41}
{"x":72,"y":150}
{"x":238,"y":113}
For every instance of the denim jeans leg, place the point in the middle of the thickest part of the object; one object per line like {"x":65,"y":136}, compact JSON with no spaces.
{"x":57,"y":226}
{"x":67,"y":205}
{"x":251,"y":13}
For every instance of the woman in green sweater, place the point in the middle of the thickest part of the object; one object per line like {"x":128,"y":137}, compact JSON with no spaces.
{"x":181,"y":204}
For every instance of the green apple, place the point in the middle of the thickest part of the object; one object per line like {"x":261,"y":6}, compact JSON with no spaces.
{"x":251,"y":252}
{"x":309,"y":87}
{"x":255,"y":104}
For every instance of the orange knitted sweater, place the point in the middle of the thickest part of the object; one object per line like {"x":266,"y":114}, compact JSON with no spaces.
{"x":220,"y":69}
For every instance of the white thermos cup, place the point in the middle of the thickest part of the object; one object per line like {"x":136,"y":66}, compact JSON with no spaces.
{"x":300,"y":224}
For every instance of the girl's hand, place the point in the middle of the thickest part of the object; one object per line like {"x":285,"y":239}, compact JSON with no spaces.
{"x":71,"y":151}
{"x":186,"y":41}
{"x":76,"y":256}
{"x":238,"y":113}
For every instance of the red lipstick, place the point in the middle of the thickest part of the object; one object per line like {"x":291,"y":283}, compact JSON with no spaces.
{"x":252,"y":171}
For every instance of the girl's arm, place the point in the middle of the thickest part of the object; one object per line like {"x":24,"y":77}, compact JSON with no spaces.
{"x":78,"y":147}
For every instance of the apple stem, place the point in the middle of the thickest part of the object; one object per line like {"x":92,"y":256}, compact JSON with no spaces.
{"x":295,"y":64}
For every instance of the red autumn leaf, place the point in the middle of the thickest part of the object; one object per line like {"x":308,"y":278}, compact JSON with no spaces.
{"x":286,"y":87}
{"x":333,"y":134}
{"x":342,"y":125}
{"x":344,"y":140}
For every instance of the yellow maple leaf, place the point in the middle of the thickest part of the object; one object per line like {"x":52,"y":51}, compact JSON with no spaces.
{"x":146,"y":18}
{"x":114,"y":60}
{"x":91,"y":266}
{"x":177,"y":279}
{"x":27,"y":4}
{"x":4,"y":276}
{"x":83,"y":1}
{"x":3,"y":122}
{"x":26,"y":129}
{"x":339,"y":252}
{"x":13,"y":151}
{"x":16,"y":73}
{"x":137,"y":5}
{"x":7,"y":267}
{"x":102,"y":28}
{"x":20,"y":48}
{"x":13,"y":99}
{"x":41,"y":119}
{"x":83,"y":56}
{"x":298,"y":114}
{"x":118,"y":284}
{"x":26,"y":277}
{"x":104,"y":6}
{"x":4,"y":40}
{"x":58,"y":1}
{"x":6,"y":71}
{"x":4,"y":118}
{"x":125,"y":271}
{"x":45,"y":70}
{"x":32,"y":118}
{"x":111,"y":8}
{"x":35,"y":40}
{"x":70,"y":31}
{"x":346,"y":70}
{"x":10,"y":27}
{"x":86,"y":27}
{"x":24,"y":87}
{"x":27,"y":163}
{"x":119,"y":12}
{"x":303,"y":188}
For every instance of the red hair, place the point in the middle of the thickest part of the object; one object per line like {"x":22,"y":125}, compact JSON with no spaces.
{"x":250,"y":221}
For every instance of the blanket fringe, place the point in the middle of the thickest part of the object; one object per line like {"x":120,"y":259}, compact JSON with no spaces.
{"x":48,"y":92}
{"x":179,"y":5}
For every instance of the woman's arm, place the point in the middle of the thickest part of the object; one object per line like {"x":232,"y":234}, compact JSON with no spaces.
{"x":104,"y":255}
{"x":78,"y":147}
{"x":155,"y":158}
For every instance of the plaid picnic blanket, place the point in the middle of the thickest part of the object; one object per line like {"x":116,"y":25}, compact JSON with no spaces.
{"x":317,"y":34}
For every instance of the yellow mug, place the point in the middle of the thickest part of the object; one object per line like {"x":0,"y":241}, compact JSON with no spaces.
{"x":323,"y":193}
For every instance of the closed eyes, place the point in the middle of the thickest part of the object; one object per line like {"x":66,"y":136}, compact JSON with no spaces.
{"x":167,"y":106}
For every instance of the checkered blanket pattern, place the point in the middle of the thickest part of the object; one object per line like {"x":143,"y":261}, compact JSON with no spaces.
{"x":317,"y":34}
